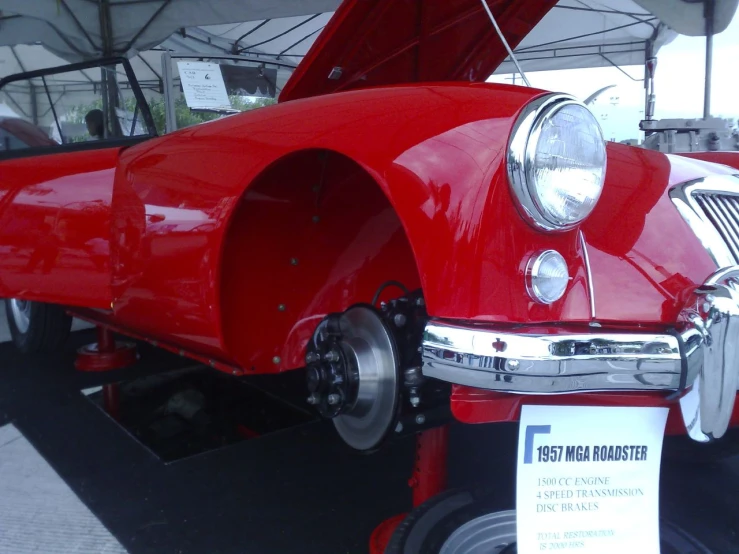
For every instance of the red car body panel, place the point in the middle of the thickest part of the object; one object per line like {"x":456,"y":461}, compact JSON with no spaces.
{"x":183,"y":292}
{"x":388,"y":42}
{"x":640,"y":274}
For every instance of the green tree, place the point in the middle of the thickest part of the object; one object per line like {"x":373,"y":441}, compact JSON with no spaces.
{"x":186,"y":117}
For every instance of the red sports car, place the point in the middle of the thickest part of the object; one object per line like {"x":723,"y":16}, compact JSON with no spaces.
{"x":417,"y":241}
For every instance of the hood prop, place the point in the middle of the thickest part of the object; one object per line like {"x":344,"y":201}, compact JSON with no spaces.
{"x":505,"y":42}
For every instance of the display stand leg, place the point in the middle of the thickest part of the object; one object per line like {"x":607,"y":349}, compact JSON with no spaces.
{"x":105,"y":354}
{"x":429,"y":479}
{"x":111,"y":400}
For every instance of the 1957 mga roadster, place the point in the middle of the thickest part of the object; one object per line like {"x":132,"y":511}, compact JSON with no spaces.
{"x":417,"y":241}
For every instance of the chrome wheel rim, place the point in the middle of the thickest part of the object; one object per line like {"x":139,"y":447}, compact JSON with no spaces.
{"x":489,"y":534}
{"x":21,"y":312}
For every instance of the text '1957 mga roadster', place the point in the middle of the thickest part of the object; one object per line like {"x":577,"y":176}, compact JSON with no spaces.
{"x":423,"y":245}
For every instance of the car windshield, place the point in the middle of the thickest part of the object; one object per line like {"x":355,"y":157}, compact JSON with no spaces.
{"x":71,"y":106}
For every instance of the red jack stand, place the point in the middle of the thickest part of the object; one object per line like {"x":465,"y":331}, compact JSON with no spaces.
{"x":106,"y":353}
{"x":428,"y":479}
{"x":112,"y":401}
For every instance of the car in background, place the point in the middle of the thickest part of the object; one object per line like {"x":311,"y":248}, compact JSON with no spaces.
{"x":18,"y":134}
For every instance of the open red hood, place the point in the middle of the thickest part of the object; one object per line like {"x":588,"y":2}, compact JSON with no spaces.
{"x":385,"y":42}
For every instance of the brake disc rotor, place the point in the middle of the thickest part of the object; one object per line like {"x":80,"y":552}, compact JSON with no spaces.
{"x":372,"y":359}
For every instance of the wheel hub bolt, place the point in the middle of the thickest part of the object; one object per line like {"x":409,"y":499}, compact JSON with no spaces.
{"x":312,"y":399}
{"x":333,"y":399}
{"x":331,"y":356}
{"x":420,"y":419}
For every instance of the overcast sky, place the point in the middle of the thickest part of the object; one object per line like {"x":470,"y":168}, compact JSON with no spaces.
{"x":679,"y":84}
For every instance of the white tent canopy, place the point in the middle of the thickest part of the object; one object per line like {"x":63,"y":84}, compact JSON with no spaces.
{"x":82,"y":29}
{"x":591,"y":33}
{"x":75,"y":30}
{"x":35,"y":34}
{"x":576,"y":33}
{"x":598,"y":33}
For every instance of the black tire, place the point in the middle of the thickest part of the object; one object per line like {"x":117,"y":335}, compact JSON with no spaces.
{"x":685,"y":450}
{"x":40,"y":328}
{"x":428,"y":526}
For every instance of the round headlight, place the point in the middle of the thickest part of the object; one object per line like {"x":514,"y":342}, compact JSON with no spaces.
{"x":556,"y":162}
{"x":547,"y":276}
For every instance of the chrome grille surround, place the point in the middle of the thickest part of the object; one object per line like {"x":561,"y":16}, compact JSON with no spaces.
{"x":710,"y":206}
{"x":711,"y":352}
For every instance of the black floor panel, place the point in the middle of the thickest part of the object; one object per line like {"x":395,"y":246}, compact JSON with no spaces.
{"x":299,"y":490}
{"x":189,"y":411}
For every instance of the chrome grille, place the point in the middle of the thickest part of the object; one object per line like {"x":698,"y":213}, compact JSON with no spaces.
{"x":722,"y":210}
{"x":710,"y":207}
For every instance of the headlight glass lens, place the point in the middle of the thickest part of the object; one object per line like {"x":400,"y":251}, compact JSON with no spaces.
{"x":558,"y":175}
{"x":569,"y":165}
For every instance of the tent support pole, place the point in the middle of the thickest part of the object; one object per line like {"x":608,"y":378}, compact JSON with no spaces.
{"x":108,"y":78}
{"x":708,"y":12}
{"x":650,"y":66}
{"x":34,"y":105}
{"x":170,"y":117}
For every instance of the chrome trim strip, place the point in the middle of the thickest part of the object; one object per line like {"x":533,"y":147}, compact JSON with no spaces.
{"x":586,"y":260}
{"x":539,"y":363}
{"x":683,"y":197}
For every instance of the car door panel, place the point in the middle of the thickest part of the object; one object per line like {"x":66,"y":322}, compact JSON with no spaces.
{"x":55,"y":227}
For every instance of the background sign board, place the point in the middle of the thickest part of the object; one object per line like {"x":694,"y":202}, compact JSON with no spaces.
{"x":203,"y":86}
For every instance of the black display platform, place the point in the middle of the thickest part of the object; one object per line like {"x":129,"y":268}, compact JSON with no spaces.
{"x":299,"y":490}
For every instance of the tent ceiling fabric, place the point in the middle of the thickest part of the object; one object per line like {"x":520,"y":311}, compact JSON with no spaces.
{"x":687,"y":17}
{"x":576,"y":33}
{"x":72,"y":28}
{"x":590,"y":33}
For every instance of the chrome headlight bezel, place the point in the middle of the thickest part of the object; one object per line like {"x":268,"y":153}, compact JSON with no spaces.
{"x":521,"y":156}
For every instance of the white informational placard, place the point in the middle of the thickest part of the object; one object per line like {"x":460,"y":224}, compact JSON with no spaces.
{"x":588,"y":479}
{"x":203,"y":86}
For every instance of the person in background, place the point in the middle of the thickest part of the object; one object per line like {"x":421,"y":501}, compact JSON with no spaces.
{"x":95,"y":124}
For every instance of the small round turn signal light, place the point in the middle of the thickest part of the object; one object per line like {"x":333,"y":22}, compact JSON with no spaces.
{"x":547,"y":276}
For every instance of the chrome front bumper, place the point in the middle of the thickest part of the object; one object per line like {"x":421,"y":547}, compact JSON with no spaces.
{"x":699,"y":357}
